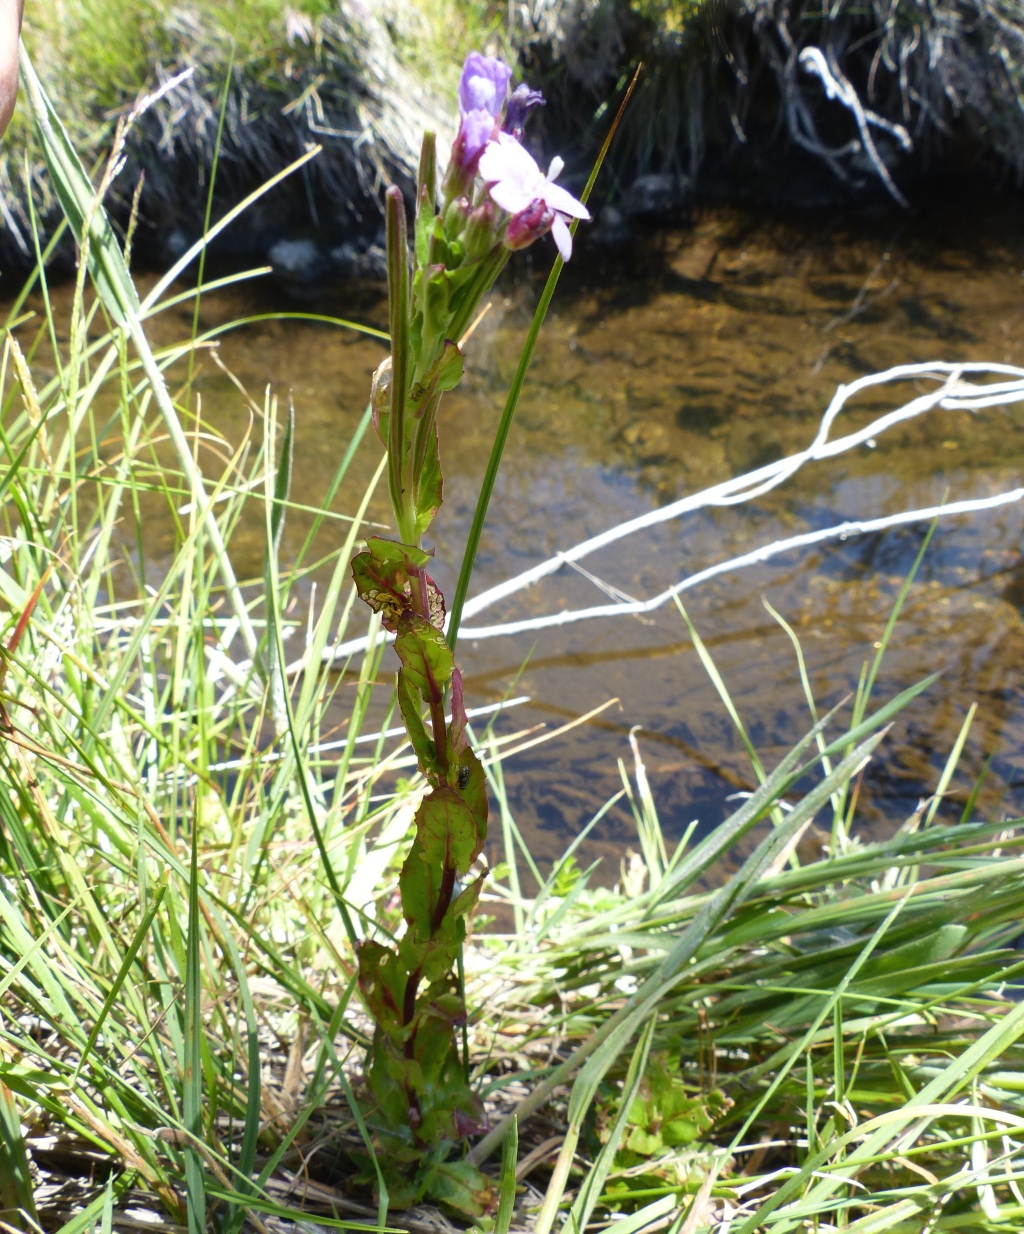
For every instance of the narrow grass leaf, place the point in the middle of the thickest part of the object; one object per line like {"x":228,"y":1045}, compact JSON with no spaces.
{"x":192,"y":1085}
{"x":590,"y":1190}
{"x":125,"y":967}
{"x":601,"y":1048}
{"x":17,"y":1192}
{"x":93,"y":231}
{"x":507,"y":1185}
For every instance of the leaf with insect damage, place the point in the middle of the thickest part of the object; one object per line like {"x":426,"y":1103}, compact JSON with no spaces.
{"x":385,"y":575}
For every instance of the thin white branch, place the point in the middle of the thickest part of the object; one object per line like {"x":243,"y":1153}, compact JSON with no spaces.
{"x":953,"y":392}
{"x":838,"y":87}
{"x":765,"y":552}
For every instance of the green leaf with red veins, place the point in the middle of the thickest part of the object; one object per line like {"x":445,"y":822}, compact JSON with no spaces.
{"x":382,"y":983}
{"x":384,"y":576}
{"x":434,"y":957}
{"x":427,"y":660}
{"x":420,"y":885}
{"x":472,"y":789}
{"x":447,"y":830}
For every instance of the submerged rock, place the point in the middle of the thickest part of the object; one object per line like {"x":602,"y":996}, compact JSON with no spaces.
{"x":658,"y":197}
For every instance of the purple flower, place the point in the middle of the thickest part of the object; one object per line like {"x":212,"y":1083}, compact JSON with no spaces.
{"x":520,"y":101}
{"x":520,"y":188}
{"x":483,"y":84}
{"x":475,"y":131}
{"x":482,"y":90}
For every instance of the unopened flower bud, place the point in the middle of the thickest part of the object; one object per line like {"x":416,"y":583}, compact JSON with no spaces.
{"x":520,"y":102}
{"x":528,"y":225}
{"x":479,"y":237}
{"x":456,"y":217}
{"x":476,"y":129}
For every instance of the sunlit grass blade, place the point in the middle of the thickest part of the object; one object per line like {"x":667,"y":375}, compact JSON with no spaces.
{"x":92,"y":228}
{"x":17,"y":1194}
{"x":278,"y":482}
{"x":130,"y":956}
{"x":507,"y":1186}
{"x":589,"y":1194}
{"x":192,"y":1074}
{"x":599,"y":1051}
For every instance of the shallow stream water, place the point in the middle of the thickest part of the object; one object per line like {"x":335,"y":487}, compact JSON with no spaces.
{"x":699,"y":355}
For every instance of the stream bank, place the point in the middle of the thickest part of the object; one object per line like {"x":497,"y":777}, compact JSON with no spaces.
{"x":770,"y":102}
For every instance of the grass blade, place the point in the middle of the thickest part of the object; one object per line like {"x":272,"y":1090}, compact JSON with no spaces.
{"x":94,"y":233}
{"x":507,"y":1186}
{"x":192,"y":1086}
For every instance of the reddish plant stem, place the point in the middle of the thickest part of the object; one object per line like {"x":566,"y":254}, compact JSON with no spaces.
{"x":444,"y":897}
{"x":421,"y":598}
{"x":409,"y":1001}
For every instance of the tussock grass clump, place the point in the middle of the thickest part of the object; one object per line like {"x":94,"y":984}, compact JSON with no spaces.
{"x":268,"y":80}
{"x":725,"y":82}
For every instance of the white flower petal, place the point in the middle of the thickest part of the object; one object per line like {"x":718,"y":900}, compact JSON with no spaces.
{"x":509,"y":162}
{"x":560,"y":231}
{"x":511,"y":197}
{"x":564,"y":202}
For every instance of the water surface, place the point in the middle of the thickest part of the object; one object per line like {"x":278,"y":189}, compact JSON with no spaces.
{"x":700,"y":355}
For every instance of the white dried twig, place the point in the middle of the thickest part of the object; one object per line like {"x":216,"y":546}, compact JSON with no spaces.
{"x":953,"y":392}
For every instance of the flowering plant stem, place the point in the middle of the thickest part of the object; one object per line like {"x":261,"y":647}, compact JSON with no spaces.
{"x":423,"y":1105}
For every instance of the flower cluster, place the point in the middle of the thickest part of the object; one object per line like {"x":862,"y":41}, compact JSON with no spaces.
{"x":490,"y":150}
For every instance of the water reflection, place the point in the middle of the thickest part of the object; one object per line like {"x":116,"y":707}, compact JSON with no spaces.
{"x":700,"y":356}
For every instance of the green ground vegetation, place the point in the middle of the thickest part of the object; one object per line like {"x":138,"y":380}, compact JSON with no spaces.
{"x":778,"y":1025}
{"x":102,"y":55}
